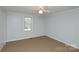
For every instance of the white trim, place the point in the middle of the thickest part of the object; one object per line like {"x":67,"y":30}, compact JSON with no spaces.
{"x":47,"y":36}
{"x":24,"y":38}
{"x":64,"y":42}
{"x":2,"y":45}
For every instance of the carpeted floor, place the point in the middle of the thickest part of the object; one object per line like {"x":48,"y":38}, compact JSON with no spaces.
{"x":38,"y":44}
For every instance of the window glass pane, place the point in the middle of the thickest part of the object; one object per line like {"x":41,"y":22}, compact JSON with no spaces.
{"x":27,"y":24}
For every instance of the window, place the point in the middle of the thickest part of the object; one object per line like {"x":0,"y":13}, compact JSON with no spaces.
{"x":27,"y":24}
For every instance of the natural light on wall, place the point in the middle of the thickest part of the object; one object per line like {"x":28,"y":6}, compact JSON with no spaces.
{"x":27,"y":24}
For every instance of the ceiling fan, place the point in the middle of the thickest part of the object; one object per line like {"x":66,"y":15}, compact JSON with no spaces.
{"x":41,"y":9}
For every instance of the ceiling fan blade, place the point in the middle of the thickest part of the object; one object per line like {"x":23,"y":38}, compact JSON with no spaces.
{"x":37,"y":8}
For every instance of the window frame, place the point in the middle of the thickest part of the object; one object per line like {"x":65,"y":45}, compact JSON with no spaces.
{"x":28,"y":27}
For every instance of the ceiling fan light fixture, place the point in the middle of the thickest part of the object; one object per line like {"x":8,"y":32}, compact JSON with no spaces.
{"x":40,"y":11}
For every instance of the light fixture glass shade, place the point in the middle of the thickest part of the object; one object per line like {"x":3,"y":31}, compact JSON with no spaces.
{"x":40,"y":12}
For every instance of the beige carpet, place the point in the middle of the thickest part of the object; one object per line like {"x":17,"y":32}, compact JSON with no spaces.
{"x":38,"y":44}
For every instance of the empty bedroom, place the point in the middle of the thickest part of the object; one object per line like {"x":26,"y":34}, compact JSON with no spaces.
{"x":39,"y":28}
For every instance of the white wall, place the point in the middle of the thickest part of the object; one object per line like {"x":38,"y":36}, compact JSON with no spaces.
{"x":2,"y":27}
{"x":15,"y":26}
{"x":64,"y":26}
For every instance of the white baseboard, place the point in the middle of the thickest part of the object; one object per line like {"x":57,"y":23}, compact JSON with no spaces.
{"x":24,"y":38}
{"x":2,"y":45}
{"x":63,"y":42}
{"x":47,"y":36}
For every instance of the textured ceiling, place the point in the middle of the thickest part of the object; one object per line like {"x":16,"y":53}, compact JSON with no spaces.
{"x":30,"y":9}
